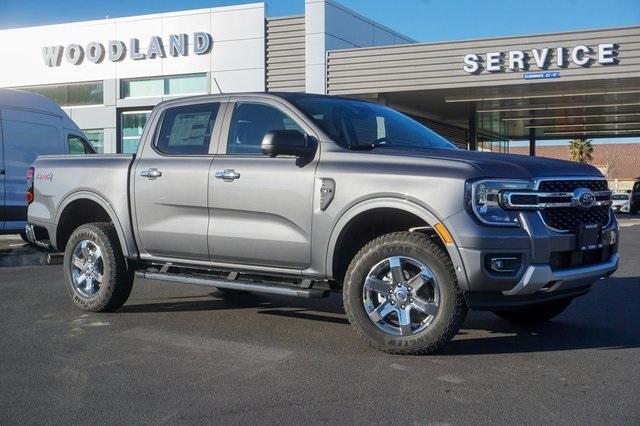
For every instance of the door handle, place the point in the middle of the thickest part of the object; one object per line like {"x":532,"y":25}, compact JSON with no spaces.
{"x":151,"y":173}
{"x":2,"y":172}
{"x":228,"y":175}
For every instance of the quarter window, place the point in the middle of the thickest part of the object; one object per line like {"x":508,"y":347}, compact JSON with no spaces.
{"x":249,"y":124}
{"x":78,"y":146}
{"x":186,"y":130}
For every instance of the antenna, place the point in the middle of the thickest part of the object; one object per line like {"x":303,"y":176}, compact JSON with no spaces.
{"x":216,"y":82}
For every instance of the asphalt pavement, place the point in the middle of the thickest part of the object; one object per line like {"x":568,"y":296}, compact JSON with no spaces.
{"x":183,"y":354}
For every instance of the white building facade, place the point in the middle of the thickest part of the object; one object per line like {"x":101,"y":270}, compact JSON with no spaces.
{"x":108,"y":74}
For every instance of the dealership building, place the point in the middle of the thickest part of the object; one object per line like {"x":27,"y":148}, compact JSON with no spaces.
{"x":108,"y":74}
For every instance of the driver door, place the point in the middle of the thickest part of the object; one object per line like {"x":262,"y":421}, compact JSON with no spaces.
{"x":261,"y":213}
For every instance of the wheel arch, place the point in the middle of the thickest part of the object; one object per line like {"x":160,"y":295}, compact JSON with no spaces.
{"x":76,"y":199}
{"x":410,"y":212}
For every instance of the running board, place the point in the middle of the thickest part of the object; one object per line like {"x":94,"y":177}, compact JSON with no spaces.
{"x":278,"y":289}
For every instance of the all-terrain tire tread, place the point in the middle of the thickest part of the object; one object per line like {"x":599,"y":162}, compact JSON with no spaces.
{"x":424,"y":241}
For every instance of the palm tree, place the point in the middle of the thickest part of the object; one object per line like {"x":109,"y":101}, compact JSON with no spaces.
{"x":580,"y":150}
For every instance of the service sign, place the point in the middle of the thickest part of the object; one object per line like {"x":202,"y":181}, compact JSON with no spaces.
{"x":541,"y":59}
{"x":118,"y":50}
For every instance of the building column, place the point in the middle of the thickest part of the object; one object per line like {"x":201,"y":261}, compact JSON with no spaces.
{"x":532,"y":141}
{"x":472,"y":143}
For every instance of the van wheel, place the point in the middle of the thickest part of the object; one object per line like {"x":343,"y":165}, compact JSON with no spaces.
{"x":537,"y":313}
{"x":95,"y":270}
{"x":402,"y":296}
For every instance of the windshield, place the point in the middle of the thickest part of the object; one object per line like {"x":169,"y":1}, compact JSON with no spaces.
{"x":365,"y":125}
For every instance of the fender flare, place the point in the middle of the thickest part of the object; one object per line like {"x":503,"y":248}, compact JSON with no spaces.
{"x":404,"y":204}
{"x":102,"y":202}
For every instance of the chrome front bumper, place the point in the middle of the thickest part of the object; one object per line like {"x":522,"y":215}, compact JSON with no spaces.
{"x":541,"y":278}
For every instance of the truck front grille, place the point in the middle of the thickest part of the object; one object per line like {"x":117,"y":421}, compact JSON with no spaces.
{"x":572,"y":185}
{"x":567,"y":219}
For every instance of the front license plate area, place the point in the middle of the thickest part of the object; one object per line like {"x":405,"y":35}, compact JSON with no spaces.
{"x":589,"y":236}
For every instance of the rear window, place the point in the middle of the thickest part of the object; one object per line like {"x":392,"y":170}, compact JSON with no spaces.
{"x":186,"y":130}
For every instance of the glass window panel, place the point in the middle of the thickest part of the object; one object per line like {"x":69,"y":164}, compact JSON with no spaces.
{"x":72,"y":94}
{"x":96,"y":138}
{"x":142,"y":88}
{"x":249,"y":124}
{"x":186,"y":84}
{"x":162,"y":86}
{"x":76,"y":147}
{"x":132,"y":124}
{"x":186,"y":130}
{"x":85,"y":94}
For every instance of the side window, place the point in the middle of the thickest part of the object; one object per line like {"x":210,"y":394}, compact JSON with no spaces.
{"x":186,"y":130}
{"x":78,"y":146}
{"x":249,"y":124}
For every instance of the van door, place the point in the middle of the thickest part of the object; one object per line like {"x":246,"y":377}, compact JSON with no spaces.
{"x":26,"y":135}
{"x":2,"y":176}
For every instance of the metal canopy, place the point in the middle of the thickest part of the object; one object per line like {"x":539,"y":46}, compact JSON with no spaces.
{"x":571,"y":96}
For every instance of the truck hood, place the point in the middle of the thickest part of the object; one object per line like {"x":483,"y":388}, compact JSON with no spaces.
{"x":488,"y":164}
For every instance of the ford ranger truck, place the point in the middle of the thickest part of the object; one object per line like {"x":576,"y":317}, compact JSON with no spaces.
{"x":302,"y":195}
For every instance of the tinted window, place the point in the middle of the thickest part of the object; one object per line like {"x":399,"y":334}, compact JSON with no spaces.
{"x":636,"y":187}
{"x":249,"y":124}
{"x":78,"y":146}
{"x":73,"y":94}
{"x":365,"y":125}
{"x":186,"y":130}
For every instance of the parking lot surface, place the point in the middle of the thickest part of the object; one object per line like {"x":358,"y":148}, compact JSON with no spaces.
{"x":183,"y":354}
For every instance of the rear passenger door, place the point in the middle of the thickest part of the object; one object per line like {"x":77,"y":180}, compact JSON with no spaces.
{"x":261,"y":212}
{"x":171,"y":182}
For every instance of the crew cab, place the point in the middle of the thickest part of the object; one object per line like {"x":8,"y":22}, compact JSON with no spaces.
{"x":302,"y":195}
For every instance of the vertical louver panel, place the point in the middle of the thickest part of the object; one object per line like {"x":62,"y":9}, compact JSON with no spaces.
{"x":285,"y":54}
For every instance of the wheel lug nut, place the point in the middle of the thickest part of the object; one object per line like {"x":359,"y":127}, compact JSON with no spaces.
{"x":393,"y":303}
{"x":402,"y":306}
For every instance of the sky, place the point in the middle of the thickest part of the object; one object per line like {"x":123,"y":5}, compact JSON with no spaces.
{"x":422,"y":20}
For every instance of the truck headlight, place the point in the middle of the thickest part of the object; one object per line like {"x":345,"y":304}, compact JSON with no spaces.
{"x":482,"y":200}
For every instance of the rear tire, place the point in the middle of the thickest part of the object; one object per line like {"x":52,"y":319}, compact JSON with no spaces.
{"x":396,"y":309}
{"x":534,"y":314}
{"x":96,"y":273}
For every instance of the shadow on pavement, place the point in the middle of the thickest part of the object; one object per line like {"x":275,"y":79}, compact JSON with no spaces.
{"x":606,"y":318}
{"x":15,"y":252}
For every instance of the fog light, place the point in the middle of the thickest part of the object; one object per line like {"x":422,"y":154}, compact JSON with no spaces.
{"x":503,"y":264}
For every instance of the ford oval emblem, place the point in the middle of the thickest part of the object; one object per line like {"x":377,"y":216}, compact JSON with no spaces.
{"x":584,"y":198}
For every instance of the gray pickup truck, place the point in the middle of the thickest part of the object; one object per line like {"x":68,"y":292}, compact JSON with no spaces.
{"x":301,"y":195}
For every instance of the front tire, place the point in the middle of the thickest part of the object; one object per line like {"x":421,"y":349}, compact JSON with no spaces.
{"x":535,"y":314}
{"x":96,"y":273}
{"x":401,"y":294}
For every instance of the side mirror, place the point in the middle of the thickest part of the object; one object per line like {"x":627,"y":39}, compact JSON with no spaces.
{"x":287,"y":142}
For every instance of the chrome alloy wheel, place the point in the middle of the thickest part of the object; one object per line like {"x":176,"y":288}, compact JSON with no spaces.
{"x":87,"y":268}
{"x":401,"y":296}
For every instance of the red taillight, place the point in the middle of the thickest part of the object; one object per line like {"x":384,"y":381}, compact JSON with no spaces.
{"x":29,"y":195}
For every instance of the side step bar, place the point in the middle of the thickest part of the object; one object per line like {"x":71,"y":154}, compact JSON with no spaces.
{"x":278,"y":289}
